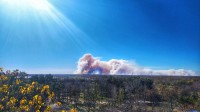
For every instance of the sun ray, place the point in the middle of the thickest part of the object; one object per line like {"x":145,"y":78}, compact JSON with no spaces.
{"x":47,"y":16}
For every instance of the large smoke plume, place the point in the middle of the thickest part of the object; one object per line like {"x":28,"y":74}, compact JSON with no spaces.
{"x":93,"y":65}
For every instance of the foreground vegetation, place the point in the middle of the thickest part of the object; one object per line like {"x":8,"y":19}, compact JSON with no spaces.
{"x":92,"y":93}
{"x":18,"y":93}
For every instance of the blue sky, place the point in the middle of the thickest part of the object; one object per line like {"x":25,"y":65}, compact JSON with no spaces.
{"x":52,"y":37}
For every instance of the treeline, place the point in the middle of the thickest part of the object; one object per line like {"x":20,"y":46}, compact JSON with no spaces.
{"x":91,"y":93}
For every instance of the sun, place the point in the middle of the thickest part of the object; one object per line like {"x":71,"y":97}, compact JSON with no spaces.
{"x":25,"y":5}
{"x":20,"y":10}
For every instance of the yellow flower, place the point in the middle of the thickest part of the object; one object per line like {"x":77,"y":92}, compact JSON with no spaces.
{"x":39,"y":102}
{"x":30,"y":88}
{"x":1,"y":107}
{"x":26,"y":108}
{"x":59,"y":103}
{"x":18,"y":81}
{"x":33,"y":83}
{"x":22,"y":101}
{"x":22,"y":90}
{"x":13,"y":100}
{"x":73,"y":110}
{"x":39,"y":98}
{"x":37,"y":110}
{"x":38,"y":107}
{"x":42,"y":91}
{"x":35,"y":98}
{"x":31,"y":103}
{"x":5,"y":98}
{"x":3,"y":77}
{"x":8,"y":103}
{"x":46,"y":87}
{"x":5,"y":88}
{"x":48,"y":109}
{"x":52,"y":94}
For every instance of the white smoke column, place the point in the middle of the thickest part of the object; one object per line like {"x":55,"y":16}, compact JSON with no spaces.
{"x":93,"y":65}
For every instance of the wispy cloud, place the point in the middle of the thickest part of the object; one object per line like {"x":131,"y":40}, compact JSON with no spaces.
{"x":88,"y":64}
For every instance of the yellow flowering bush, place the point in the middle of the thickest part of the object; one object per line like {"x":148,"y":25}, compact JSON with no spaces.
{"x":17,"y":95}
{"x":73,"y":110}
{"x":18,"y":81}
{"x":3,"y":77}
{"x":21,"y":94}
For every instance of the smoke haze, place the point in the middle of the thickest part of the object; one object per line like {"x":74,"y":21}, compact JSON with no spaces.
{"x":88,"y":64}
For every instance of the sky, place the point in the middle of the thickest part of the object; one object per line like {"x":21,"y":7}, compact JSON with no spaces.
{"x":50,"y":36}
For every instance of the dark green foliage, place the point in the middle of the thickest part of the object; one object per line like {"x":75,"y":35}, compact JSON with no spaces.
{"x":125,"y":93}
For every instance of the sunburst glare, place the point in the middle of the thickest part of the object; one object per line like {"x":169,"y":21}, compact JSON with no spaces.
{"x":45,"y":18}
{"x":26,"y":4}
